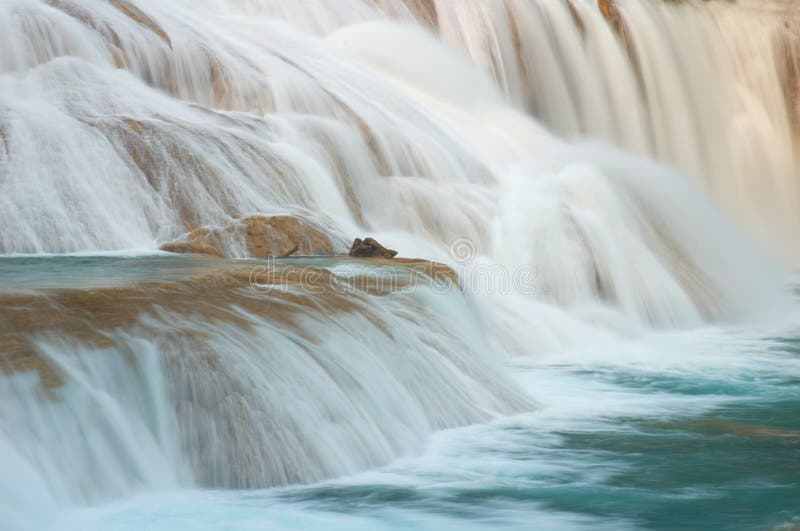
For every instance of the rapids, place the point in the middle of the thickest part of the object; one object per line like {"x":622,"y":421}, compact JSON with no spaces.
{"x":615,"y":187}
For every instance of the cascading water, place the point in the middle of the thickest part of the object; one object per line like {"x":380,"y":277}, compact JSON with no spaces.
{"x":697,"y":84}
{"x":450,"y":130}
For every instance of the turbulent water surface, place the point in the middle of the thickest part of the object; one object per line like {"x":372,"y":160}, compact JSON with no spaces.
{"x":614,"y":187}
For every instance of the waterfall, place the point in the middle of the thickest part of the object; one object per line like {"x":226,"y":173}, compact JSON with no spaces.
{"x":701,"y":85}
{"x":536,"y":140}
{"x":125,"y":126}
{"x":210,"y":385}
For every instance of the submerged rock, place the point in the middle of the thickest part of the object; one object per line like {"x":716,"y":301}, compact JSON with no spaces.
{"x":139,"y":16}
{"x":370,"y":248}
{"x":611,"y":13}
{"x":89,"y":314}
{"x":256,"y":237}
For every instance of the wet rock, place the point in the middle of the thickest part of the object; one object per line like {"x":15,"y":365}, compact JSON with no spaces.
{"x":576,"y":17}
{"x":200,"y":241}
{"x":282,"y":236}
{"x":92,"y":316}
{"x":256,"y":237}
{"x":786,"y":43}
{"x":424,"y":11}
{"x":368,"y":247}
{"x":612,"y":14}
{"x":137,"y":15}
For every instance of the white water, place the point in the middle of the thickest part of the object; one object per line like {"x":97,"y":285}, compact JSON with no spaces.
{"x":699,"y":85}
{"x":368,"y":125}
{"x":182,"y":402}
{"x":580,"y":391}
{"x":248,"y":115}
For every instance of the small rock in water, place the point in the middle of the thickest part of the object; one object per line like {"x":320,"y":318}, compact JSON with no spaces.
{"x":368,"y":247}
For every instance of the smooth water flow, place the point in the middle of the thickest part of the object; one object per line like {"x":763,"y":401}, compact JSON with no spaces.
{"x":606,"y":181}
{"x":701,"y":85}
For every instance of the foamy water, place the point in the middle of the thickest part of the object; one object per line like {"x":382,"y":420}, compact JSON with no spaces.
{"x":620,"y":352}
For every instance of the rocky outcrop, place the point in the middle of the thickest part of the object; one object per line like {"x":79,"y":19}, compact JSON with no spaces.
{"x":380,"y":257}
{"x":284,"y":236}
{"x":204,"y":290}
{"x":369,"y":248}
{"x":419,"y":270}
{"x":200,"y":241}
{"x":256,"y":237}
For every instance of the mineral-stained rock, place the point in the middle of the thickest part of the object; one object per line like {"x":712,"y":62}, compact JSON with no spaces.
{"x":576,"y":17}
{"x":141,"y":17}
{"x":200,"y":241}
{"x":368,"y":247}
{"x":613,"y":16}
{"x":611,"y":13}
{"x":787,"y":55}
{"x":91,"y":315}
{"x":283,"y":236}
{"x":256,"y":237}
{"x":424,"y":11}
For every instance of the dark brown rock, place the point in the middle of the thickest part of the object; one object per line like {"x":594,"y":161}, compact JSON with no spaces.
{"x":368,"y":247}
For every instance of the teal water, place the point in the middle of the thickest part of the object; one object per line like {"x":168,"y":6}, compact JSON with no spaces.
{"x":614,"y":447}
{"x":78,"y":271}
{"x":683,"y":430}
{"x":46,"y":272}
{"x":94,"y":271}
{"x":671,"y":469}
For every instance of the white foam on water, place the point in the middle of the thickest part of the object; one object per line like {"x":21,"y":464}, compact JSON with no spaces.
{"x":125,"y":124}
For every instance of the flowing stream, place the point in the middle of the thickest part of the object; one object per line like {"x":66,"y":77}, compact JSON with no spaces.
{"x":615,"y":186}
